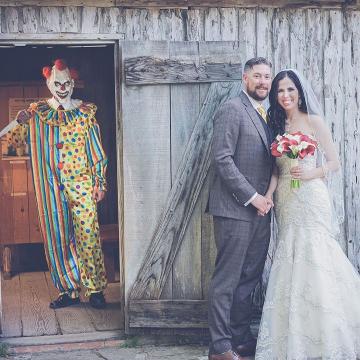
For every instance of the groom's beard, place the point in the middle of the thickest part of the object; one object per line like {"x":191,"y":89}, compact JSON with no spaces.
{"x":256,"y":96}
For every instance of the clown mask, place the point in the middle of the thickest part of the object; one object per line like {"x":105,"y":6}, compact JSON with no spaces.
{"x":61,"y":85}
{"x":60,"y":82}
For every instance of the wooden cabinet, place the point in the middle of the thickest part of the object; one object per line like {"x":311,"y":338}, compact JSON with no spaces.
{"x":19,"y":221}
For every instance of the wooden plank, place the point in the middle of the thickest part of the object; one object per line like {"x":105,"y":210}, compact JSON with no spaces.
{"x":334,"y":95}
{"x":232,"y":3}
{"x":20,"y":207}
{"x":182,"y":198}
{"x":62,"y":38}
{"x":90,"y":23}
{"x":247,"y":34}
{"x":351,"y":86}
{"x":150,"y":24}
{"x":33,"y":213}
{"x":185,"y":108}
{"x":315,"y":52}
{"x":73,"y":319}
{"x":110,"y":318}
{"x":44,"y":92}
{"x":212,"y":22}
{"x":18,"y":3}
{"x":170,"y":26}
{"x":6,"y":218}
{"x":297,"y":22}
{"x":11,"y":23}
{"x":148,"y":70}
{"x":220,"y":52}
{"x":208,"y":249}
{"x":110,"y":20}
{"x":168,"y":314}
{"x":120,"y":172}
{"x":146,"y":154}
{"x":37,"y":318}
{"x":11,"y":325}
{"x":133,"y":26}
{"x":19,"y":174}
{"x":185,"y":3}
{"x":195,"y":25}
{"x":264,"y":33}
{"x":49,"y":20}
{"x":70,"y":19}
{"x":56,"y":343}
{"x":280,"y":41}
{"x":30,"y":19}
{"x":229,"y":23}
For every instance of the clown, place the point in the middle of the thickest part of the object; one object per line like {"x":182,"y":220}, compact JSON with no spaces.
{"x":69,"y":166}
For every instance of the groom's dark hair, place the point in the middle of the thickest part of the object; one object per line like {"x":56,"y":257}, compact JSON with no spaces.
{"x":256,"y":61}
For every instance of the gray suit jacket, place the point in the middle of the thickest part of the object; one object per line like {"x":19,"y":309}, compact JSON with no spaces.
{"x":241,"y":159}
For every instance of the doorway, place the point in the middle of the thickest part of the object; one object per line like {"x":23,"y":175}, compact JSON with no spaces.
{"x":28,"y":290}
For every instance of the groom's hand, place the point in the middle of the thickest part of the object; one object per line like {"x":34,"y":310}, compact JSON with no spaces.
{"x":262,"y":204}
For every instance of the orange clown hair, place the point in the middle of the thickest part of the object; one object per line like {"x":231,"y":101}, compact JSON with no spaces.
{"x":59,"y":64}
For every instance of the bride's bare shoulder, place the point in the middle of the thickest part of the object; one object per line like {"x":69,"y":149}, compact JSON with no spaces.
{"x":317,"y":121}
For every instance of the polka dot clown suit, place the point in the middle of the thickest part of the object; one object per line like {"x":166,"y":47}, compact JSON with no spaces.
{"x":68,"y":161}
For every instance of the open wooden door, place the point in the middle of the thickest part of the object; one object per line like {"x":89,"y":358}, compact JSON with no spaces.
{"x":170,"y":92}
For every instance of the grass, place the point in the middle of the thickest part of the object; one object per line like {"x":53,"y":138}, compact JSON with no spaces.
{"x":130,"y":342}
{"x":4,"y":350}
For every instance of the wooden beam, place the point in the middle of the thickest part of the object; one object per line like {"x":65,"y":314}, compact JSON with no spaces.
{"x":182,"y":198}
{"x":235,"y":3}
{"x":144,"y":70}
{"x":66,"y":38}
{"x":103,"y":3}
{"x":167,"y":4}
{"x":168,"y":314}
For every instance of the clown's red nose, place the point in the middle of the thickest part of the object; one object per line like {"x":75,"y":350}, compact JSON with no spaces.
{"x":62,"y":87}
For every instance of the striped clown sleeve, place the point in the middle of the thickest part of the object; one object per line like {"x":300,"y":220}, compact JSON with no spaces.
{"x":96,"y":156}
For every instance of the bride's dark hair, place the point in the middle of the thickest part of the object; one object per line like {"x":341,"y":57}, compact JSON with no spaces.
{"x":276,"y":113}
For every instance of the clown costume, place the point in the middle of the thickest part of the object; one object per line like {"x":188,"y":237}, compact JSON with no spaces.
{"x":68,"y":166}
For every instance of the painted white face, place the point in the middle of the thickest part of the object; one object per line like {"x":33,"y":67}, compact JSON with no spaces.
{"x":61,"y":85}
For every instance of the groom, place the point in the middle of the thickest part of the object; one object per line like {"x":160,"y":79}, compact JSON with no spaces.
{"x":243,"y":167}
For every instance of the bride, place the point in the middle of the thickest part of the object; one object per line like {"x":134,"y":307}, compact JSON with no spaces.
{"x":312,"y":305}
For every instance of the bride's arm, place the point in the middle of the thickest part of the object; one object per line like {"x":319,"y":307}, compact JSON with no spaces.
{"x":323,"y":136}
{"x":273,"y":183}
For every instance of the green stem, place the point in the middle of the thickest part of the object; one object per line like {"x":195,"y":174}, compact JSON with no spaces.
{"x":295,"y":183}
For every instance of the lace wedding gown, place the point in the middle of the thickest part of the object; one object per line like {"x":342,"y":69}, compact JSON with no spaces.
{"x":312,"y":305}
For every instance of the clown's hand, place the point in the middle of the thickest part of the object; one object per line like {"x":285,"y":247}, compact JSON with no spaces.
{"x":98,"y":194}
{"x":23,"y":116}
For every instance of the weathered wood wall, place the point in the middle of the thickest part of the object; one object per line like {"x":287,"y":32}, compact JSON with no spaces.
{"x":324,"y":44}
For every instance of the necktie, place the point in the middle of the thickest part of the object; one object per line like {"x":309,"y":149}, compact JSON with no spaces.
{"x":262,"y":112}
{"x":60,"y":107}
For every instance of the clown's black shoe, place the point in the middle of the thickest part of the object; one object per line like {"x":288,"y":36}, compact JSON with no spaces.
{"x":64,"y":300}
{"x":97,"y":300}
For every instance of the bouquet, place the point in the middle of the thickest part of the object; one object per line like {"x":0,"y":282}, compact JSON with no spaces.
{"x":295,"y":146}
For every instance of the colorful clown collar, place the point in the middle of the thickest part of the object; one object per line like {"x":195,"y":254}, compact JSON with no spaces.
{"x":55,"y":117}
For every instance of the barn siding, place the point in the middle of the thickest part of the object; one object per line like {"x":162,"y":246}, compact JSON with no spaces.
{"x":323,"y":44}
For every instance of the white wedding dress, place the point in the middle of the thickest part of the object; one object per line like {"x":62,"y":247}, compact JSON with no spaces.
{"x":312,"y":305}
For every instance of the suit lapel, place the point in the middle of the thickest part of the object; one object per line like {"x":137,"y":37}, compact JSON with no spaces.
{"x":255,"y":119}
